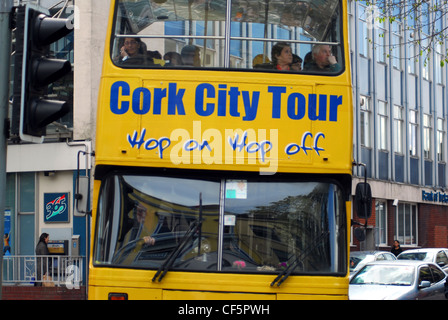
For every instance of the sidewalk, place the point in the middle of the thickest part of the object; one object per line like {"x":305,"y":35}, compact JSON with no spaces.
{"x":43,"y":293}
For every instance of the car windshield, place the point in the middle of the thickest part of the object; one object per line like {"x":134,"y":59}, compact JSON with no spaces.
{"x":384,"y":275}
{"x":421,"y":256}
{"x":220,"y":224}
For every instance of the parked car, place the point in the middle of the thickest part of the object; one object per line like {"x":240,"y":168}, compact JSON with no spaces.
{"x":398,"y":280}
{"x":438,"y":256}
{"x":358,"y":259}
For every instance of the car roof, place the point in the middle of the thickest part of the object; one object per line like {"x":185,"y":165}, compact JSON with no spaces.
{"x":424,"y":250}
{"x":368,"y":252}
{"x":410,"y":263}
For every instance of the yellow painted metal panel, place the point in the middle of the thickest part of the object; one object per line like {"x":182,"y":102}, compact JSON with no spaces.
{"x":207,"y":295}
{"x":187,"y":285}
{"x":180,"y":123}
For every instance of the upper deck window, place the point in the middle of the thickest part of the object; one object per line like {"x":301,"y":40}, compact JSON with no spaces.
{"x":276,"y":35}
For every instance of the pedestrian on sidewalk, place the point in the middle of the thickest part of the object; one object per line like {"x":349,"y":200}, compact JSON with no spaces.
{"x":42,"y":265}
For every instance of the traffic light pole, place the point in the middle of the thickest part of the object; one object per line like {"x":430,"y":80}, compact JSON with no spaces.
{"x":5,"y":55}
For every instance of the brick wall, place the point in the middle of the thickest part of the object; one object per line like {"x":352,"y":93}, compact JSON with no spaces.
{"x":43,"y":293}
{"x":433,"y":225}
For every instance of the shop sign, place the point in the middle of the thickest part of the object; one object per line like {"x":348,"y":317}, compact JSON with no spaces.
{"x":436,"y":197}
{"x":56,"y":207}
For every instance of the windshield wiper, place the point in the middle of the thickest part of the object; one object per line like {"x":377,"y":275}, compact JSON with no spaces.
{"x":163,"y":269}
{"x":194,"y":227}
{"x":290,"y":269}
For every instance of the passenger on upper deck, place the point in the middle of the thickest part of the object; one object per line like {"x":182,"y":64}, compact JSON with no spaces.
{"x":173,"y":58}
{"x":296,"y":64}
{"x":281,"y":58}
{"x":190,"y":56}
{"x":131,"y":52}
{"x":322,"y":59}
{"x":260,"y":59}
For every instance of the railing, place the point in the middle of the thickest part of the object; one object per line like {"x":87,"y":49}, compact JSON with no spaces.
{"x":36,"y":270}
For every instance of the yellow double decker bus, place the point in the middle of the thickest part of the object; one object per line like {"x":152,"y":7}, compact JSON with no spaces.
{"x":223,"y":151}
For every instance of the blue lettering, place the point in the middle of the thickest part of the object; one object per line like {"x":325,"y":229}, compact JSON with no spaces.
{"x":234,"y":93}
{"x":175,"y":100}
{"x":205,"y":144}
{"x":115,"y":107}
{"x":312,"y":107}
{"x":276,"y":100}
{"x":199,"y":104}
{"x":296,"y":106}
{"x":316,"y":141}
{"x":192,"y":144}
{"x":161,"y":144}
{"x":188,"y":147}
{"x":134,"y":141}
{"x":262,"y":147}
{"x":162,"y":147}
{"x":235,"y":144}
{"x":250,"y":108}
{"x":141,"y":101}
{"x":159,"y":94}
{"x":249,"y":146}
{"x":335,"y":102}
{"x":294,"y":148}
{"x":264,"y":150}
{"x":153,"y":142}
{"x":222,"y":100}
{"x":305,"y":148}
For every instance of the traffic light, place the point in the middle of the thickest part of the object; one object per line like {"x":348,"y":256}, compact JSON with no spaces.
{"x":35,"y":71}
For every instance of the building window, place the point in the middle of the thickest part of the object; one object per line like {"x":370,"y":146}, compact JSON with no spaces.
{"x":382,"y":125}
{"x":396,"y":43}
{"x":410,"y":38}
{"x":440,"y":140}
{"x":381,"y":222}
{"x":363,"y":35}
{"x":406,"y":224}
{"x":427,"y":136}
{"x":425,"y":58}
{"x":412,"y":60}
{"x":26,"y":212}
{"x":413,"y":133}
{"x":438,"y":64}
{"x":365,"y":121}
{"x":398,"y":129}
{"x":381,"y":40}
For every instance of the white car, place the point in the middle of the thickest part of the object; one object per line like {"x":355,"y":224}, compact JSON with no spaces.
{"x":439,"y":256}
{"x":358,"y":259}
{"x":398,"y":280}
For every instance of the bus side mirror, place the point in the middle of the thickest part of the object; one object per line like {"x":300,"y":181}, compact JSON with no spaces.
{"x":363,"y":200}
{"x":82,"y":196}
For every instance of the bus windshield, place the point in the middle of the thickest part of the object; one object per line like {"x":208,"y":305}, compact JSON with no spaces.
{"x":245,"y":225}
{"x":277,"y":35}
